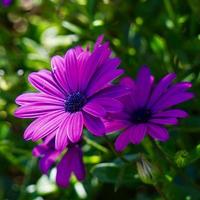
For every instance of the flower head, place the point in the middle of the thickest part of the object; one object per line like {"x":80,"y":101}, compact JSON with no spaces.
{"x":77,"y":92}
{"x":71,"y":162}
{"x":147,"y":109}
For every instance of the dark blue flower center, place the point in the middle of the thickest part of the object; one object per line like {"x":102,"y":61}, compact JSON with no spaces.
{"x":74,"y":102}
{"x":141,"y":115}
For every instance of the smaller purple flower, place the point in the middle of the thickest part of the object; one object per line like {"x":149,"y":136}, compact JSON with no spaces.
{"x":6,"y":2}
{"x":147,"y":109}
{"x":71,"y":161}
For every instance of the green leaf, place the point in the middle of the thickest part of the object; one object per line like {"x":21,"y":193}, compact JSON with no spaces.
{"x":113,"y":173}
{"x":73,"y":28}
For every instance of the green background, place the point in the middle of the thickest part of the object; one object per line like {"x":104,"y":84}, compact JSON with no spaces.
{"x":163,"y":34}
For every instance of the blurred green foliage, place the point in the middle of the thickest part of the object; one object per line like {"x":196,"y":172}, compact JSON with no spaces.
{"x":164,"y":34}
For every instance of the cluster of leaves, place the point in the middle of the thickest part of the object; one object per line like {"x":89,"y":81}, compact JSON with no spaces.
{"x":162,"y":34}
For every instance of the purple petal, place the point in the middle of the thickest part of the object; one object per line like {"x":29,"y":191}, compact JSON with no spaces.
{"x":158,"y":132}
{"x":29,"y":130}
{"x":78,"y":165}
{"x":122,"y":140}
{"x":137,"y":133}
{"x":47,"y":126}
{"x":91,"y":65}
{"x":119,"y":116}
{"x":45,"y":99}
{"x":174,"y":90}
{"x":128,"y":82}
{"x":144,"y":83}
{"x":129,"y":103}
{"x":110,"y":105}
{"x":6,"y":2}
{"x":44,"y":82}
{"x":113,"y":91}
{"x":64,"y":170}
{"x":98,"y":41}
{"x":161,"y":88}
{"x":78,"y":50}
{"x":36,"y":110}
{"x":109,"y":66}
{"x":104,"y":55}
{"x":115,"y":125}
{"x":179,"y":87}
{"x":37,"y":123}
{"x":48,"y":160}
{"x":171,"y":113}
{"x":51,"y":130}
{"x":50,"y":140}
{"x":95,"y":109}
{"x":164,"y":121}
{"x":94,"y":124}
{"x":74,"y":126}
{"x":99,"y":83}
{"x":173,"y":100}
{"x":40,"y":150}
{"x":72,"y":70}
{"x":82,"y":59}
{"x":61,"y":139}
{"x":59,"y":71}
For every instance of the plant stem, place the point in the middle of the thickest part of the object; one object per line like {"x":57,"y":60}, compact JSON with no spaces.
{"x":166,"y":155}
{"x":184,"y":176}
{"x":21,"y":151}
{"x":96,"y":145}
{"x":160,"y":192}
{"x":27,"y":176}
{"x":169,"y":9}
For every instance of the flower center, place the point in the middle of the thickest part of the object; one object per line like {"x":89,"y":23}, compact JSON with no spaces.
{"x":74,"y":102}
{"x":141,"y":115}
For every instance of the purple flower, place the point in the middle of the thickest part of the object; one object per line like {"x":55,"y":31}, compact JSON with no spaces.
{"x":78,"y":92}
{"x":148,"y":108}
{"x":71,"y":162}
{"x":6,"y":2}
